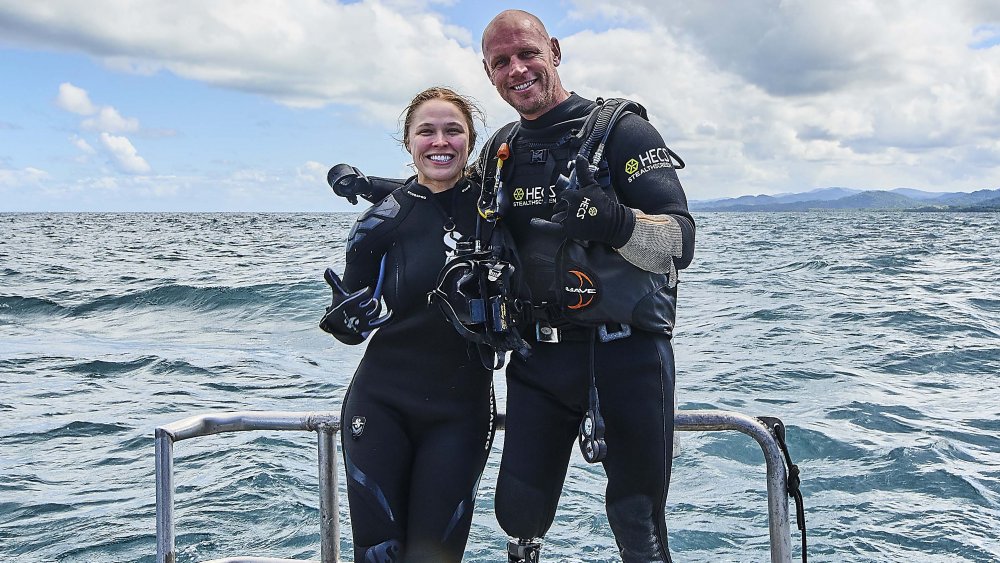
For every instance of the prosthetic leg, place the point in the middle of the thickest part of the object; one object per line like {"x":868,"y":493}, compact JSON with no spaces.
{"x":523,"y":551}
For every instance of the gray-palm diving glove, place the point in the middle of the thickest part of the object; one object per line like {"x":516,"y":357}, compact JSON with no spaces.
{"x":348,"y":182}
{"x":587,"y":213}
{"x":351,"y":317}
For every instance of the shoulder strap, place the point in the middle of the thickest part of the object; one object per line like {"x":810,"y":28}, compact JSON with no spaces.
{"x":593,"y":135}
{"x":489,"y":152}
{"x":491,"y":191}
{"x":601,"y":121}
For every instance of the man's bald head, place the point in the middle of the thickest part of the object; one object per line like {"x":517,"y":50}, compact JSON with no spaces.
{"x":514,"y":19}
{"x":520,"y":60}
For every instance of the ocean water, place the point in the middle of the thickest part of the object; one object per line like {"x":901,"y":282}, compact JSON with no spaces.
{"x":874,"y":336}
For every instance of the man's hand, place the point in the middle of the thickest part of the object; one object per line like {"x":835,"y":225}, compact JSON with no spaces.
{"x":351,"y":317}
{"x":588,"y":213}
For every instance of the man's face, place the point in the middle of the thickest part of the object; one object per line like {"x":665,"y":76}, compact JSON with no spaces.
{"x":521,"y":63}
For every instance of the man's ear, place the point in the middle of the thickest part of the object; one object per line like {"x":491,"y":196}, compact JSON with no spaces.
{"x":556,"y":52}
{"x":486,"y":69}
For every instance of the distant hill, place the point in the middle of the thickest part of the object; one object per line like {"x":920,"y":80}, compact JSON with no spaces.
{"x":920,"y":194}
{"x":848,"y":198}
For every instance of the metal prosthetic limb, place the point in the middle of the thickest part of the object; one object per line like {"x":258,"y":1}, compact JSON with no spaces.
{"x":526,"y":551}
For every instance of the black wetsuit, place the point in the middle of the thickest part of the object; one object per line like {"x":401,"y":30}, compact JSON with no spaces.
{"x":419,"y":414}
{"x":547,"y":394}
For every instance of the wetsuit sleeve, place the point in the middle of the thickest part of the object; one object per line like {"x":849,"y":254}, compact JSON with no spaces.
{"x":369,"y":240}
{"x":382,"y":187}
{"x":643,"y":175}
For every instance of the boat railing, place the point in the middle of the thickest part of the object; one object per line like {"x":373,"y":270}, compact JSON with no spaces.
{"x":327,"y":424}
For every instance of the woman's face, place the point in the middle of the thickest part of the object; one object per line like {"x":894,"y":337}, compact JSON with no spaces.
{"x":438,"y":139}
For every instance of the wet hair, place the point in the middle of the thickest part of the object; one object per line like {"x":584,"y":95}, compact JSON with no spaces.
{"x":466,"y":106}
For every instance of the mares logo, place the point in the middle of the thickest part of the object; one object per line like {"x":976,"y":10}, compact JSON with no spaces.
{"x":585,"y":290}
{"x":351,"y":322}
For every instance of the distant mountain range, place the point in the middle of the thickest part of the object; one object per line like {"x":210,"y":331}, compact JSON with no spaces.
{"x":847,"y":198}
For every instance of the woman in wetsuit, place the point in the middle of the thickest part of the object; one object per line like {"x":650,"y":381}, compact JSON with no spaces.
{"x":419,"y":414}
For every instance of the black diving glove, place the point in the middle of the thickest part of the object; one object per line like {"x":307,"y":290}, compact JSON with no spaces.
{"x":348,"y":182}
{"x":351,"y":317}
{"x":588,"y":213}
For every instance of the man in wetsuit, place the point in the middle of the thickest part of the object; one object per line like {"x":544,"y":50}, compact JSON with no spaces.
{"x":547,"y":394}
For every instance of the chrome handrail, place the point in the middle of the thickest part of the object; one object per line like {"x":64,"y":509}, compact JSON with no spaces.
{"x":777,"y":477}
{"x":327,"y":424}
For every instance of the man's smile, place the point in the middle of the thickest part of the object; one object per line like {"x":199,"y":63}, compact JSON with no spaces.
{"x":524,"y":85}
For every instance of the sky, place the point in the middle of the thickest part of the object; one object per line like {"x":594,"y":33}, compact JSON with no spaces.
{"x":243,"y":105}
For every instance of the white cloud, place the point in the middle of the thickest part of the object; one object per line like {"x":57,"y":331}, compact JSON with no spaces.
{"x":82,"y":144}
{"x":252,"y":176}
{"x":109,"y":120}
{"x":105,"y":118}
{"x":74,"y":99}
{"x":775,"y":95}
{"x":23,"y":177}
{"x":123,"y":155}
{"x":313,"y":172}
{"x":862,"y":93}
{"x":365,"y":54}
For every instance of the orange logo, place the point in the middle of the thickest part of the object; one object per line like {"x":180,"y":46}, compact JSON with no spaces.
{"x":585,"y":288}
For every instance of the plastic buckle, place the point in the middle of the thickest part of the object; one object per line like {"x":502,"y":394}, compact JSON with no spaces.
{"x":544,"y":332}
{"x":605,"y":336}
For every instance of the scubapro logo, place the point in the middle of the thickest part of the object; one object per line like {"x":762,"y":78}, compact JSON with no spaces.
{"x":631,"y":166}
{"x":357,"y":426}
{"x":351,"y":322}
{"x":585,"y":290}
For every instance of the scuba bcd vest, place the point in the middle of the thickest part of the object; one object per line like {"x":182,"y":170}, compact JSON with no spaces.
{"x":573,"y":281}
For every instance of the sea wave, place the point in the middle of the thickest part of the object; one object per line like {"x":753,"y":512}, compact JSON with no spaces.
{"x":874,"y":336}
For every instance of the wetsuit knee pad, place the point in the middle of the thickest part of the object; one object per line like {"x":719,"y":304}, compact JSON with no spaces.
{"x":521,"y":510}
{"x":389,"y":551}
{"x":641,"y":534}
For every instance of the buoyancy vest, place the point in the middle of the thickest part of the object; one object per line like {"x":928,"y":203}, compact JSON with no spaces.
{"x":571,"y":281}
